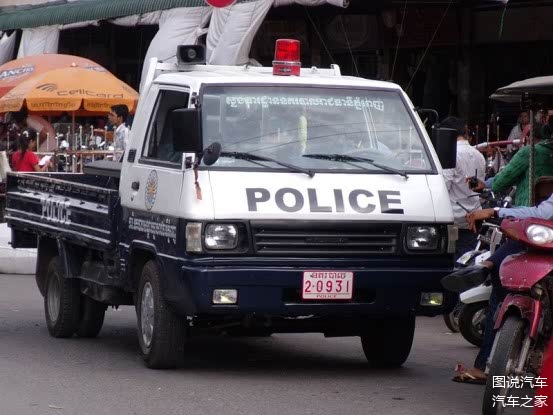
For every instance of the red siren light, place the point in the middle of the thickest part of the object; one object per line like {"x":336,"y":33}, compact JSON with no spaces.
{"x":287,"y":57}
{"x":220,"y":3}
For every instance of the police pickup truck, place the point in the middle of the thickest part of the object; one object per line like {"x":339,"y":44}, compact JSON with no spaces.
{"x":250,"y":203}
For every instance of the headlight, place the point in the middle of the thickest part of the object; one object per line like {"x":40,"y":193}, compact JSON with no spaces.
{"x":423,"y":238}
{"x":220,"y":236}
{"x":539,"y":234}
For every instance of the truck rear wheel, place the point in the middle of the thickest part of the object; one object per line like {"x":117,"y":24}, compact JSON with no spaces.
{"x":161,"y":333}
{"x":92,"y":317}
{"x":387,"y":342}
{"x":61,"y":301}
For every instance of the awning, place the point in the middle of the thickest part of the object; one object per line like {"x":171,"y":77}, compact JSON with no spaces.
{"x":80,"y":11}
{"x":542,"y":85}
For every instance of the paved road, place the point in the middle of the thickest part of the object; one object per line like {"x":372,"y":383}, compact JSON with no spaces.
{"x":284,"y":374}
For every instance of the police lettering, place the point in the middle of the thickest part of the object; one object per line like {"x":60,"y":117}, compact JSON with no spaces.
{"x":55,"y":210}
{"x":292,"y":200}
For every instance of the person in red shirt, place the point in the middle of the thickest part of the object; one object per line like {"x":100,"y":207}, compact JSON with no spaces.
{"x":24,"y":160}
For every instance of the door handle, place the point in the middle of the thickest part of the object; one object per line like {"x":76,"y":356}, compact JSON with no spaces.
{"x":135,"y":186}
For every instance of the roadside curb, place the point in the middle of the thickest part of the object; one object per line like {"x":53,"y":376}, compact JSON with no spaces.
{"x":15,"y":261}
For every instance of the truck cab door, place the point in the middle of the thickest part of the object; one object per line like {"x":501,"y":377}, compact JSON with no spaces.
{"x":152,"y":178}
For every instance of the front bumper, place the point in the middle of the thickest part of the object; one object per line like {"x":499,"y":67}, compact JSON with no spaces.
{"x":270,"y":290}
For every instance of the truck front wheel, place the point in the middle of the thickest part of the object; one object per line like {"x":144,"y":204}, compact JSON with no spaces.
{"x":61,"y":301}
{"x":387,"y":342}
{"x":161,"y":333}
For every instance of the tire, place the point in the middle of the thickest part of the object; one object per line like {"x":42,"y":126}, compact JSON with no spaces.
{"x":388,"y":341}
{"x":92,"y":317}
{"x":61,"y":301}
{"x":451,"y":320}
{"x":505,"y":358}
{"x":472,"y":322}
{"x":161,"y":334}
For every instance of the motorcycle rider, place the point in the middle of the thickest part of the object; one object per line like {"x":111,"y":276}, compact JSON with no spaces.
{"x":469,"y":277}
{"x":516,"y":172}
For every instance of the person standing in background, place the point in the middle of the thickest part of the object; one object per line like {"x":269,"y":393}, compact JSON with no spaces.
{"x":118,"y":118}
{"x":522,"y":129}
{"x":24,"y":160}
{"x":469,"y":162}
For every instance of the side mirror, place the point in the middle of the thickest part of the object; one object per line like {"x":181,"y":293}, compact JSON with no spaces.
{"x":445,"y":144}
{"x":187,"y":130}
{"x":211,"y":154}
{"x":434,"y":113}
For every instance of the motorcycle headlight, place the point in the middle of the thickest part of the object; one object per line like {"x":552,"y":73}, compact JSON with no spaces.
{"x":423,"y":238}
{"x":539,"y":234}
{"x":221,"y":236}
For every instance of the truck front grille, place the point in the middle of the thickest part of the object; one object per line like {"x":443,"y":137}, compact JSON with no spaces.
{"x":314,"y":239}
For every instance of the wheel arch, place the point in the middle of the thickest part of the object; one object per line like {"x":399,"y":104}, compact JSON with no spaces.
{"x":71,"y":257}
{"x":140,"y":254}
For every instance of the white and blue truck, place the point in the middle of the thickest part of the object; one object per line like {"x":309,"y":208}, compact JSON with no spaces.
{"x":251,"y":203}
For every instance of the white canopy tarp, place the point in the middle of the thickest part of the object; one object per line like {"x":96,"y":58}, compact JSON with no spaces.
{"x":230,"y":34}
{"x":232,"y":30}
{"x":138,"y":19}
{"x":182,"y":26}
{"x":79,"y":25}
{"x":7,"y":46}
{"x":39,"y":40}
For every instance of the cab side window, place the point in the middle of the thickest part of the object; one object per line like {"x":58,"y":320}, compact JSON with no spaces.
{"x":160,"y":142}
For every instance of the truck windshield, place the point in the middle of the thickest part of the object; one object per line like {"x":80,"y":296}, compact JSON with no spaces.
{"x":289,"y":124}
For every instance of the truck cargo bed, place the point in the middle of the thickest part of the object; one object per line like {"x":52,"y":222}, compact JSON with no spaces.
{"x":80,"y":207}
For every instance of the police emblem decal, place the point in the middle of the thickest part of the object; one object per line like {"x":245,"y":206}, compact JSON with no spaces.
{"x":151,"y":190}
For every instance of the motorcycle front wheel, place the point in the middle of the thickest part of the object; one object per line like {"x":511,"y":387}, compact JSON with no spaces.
{"x":472,"y":322}
{"x":451,"y":320}
{"x":505,"y":360}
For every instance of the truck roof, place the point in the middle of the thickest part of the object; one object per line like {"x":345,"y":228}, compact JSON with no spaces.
{"x":174,"y":74}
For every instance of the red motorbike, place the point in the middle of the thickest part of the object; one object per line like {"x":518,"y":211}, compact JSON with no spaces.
{"x":524,"y":321}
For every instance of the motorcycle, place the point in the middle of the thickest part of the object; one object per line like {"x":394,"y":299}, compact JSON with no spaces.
{"x":451,"y":320}
{"x":524,"y":320}
{"x":472,"y":315}
{"x":470,"y":310}
{"x":474,"y":302}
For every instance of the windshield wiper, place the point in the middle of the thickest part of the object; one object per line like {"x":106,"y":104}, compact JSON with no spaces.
{"x":254,"y":158}
{"x":344,"y":158}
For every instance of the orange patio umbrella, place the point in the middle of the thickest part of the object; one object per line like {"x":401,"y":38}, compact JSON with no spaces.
{"x":70,"y":89}
{"x":14,"y":72}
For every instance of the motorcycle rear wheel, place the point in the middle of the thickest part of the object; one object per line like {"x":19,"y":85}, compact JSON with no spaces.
{"x":505,"y":359}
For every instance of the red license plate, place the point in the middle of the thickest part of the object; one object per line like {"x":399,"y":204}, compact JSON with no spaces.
{"x":327,"y":285}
